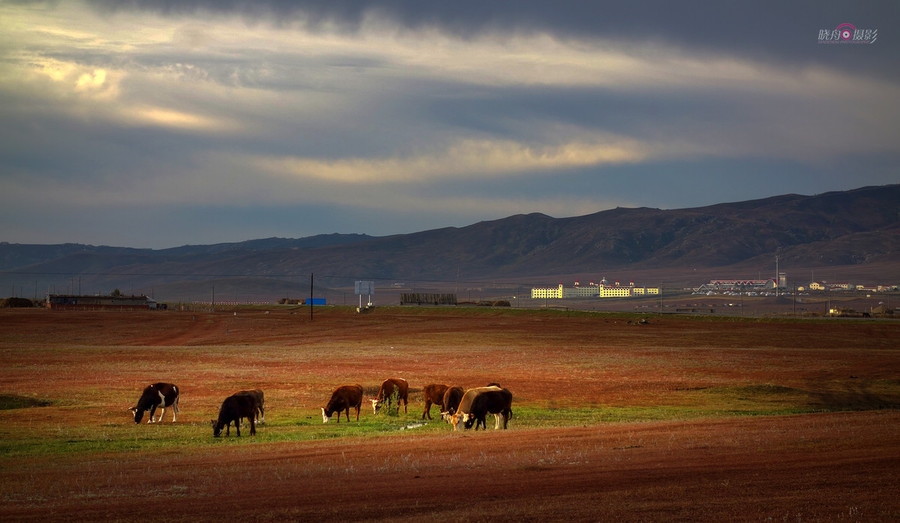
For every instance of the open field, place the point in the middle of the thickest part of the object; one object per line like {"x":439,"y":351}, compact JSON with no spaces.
{"x":675,"y":418}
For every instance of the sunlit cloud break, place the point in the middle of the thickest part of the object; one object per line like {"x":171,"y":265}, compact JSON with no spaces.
{"x":178,"y":120}
{"x":465,"y":158}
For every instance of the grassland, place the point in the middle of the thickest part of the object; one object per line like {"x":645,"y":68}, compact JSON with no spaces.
{"x":593,"y":393}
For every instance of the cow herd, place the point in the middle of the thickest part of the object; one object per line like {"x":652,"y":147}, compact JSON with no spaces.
{"x":459,"y":407}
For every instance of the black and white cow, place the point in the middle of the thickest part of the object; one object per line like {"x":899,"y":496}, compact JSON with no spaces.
{"x":162,"y":395}
{"x":234,"y":408}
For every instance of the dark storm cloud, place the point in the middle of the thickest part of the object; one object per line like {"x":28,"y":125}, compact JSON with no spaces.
{"x":253,"y":119}
{"x":776,"y":31}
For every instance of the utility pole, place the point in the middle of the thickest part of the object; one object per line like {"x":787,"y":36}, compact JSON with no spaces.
{"x":794,"y":300}
{"x":776,"y":276}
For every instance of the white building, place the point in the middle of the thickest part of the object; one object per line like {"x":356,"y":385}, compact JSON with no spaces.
{"x":592,"y":290}
{"x":547,"y":292}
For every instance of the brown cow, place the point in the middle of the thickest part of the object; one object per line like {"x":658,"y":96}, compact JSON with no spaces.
{"x":434,"y":395}
{"x":343,"y":398}
{"x":451,"y":402}
{"x":387,"y":391}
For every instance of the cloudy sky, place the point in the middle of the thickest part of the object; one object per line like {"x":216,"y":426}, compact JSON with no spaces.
{"x":159,"y":123}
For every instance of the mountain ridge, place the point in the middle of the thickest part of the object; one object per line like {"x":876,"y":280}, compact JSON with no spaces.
{"x":854,"y":227}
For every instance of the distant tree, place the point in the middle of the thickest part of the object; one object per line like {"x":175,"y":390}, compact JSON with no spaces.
{"x":116,"y":293}
{"x":16,"y":302}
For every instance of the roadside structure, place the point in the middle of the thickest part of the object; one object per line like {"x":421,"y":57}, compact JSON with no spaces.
{"x":80,"y":302}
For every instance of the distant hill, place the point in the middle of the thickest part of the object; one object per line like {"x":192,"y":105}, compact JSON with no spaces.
{"x":854,"y":227}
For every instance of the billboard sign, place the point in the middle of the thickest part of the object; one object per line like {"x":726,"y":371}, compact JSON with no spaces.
{"x":364,"y":287}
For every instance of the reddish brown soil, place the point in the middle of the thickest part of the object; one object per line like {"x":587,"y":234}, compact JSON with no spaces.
{"x":841,"y":463}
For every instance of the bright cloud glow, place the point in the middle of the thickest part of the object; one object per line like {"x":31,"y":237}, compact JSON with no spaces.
{"x":93,"y":80}
{"x":467,"y":158}
{"x":179,"y":120}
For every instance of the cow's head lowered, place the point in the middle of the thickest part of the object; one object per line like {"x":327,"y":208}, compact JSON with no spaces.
{"x":148,"y":401}
{"x":156,"y":395}
{"x":137,"y":413}
{"x":458,"y":419}
{"x":217,"y":427}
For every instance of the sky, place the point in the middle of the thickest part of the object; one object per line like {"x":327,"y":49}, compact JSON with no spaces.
{"x":161,"y":123}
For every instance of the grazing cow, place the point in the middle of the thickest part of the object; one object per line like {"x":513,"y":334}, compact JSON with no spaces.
{"x":465,"y":405}
{"x":434,"y":395}
{"x":343,"y":398}
{"x":387,"y":391}
{"x":234,"y":408}
{"x":451,"y":402}
{"x":260,"y":403}
{"x":161,"y":395}
{"x":498,"y":403}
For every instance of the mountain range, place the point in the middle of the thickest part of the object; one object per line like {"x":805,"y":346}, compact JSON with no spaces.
{"x":855,"y":229}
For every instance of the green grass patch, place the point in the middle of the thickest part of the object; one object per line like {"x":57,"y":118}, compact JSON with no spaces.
{"x":31,"y":437}
{"x":753,"y":400}
{"x":11,"y":401}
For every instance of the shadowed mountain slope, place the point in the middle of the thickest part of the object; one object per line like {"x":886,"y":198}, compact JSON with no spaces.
{"x":860,"y":226}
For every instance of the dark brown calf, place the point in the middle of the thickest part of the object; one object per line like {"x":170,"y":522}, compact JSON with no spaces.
{"x":434,"y":395}
{"x":343,"y":398}
{"x":451,"y":401}
{"x":260,"y":403}
{"x":234,"y":408}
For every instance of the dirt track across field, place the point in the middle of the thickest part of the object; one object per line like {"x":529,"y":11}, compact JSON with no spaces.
{"x":837,"y":461}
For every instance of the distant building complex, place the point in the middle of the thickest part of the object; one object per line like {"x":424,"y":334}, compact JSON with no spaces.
{"x":843,"y":286}
{"x":593,"y":290}
{"x":765,"y":287}
{"x":737,"y":286}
